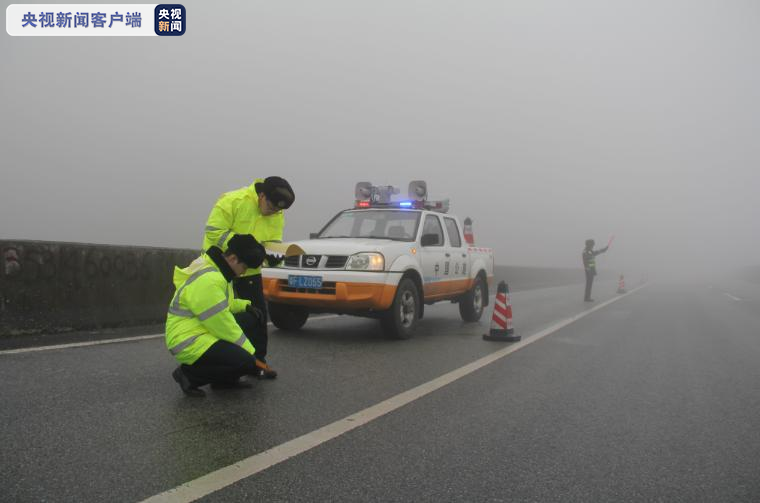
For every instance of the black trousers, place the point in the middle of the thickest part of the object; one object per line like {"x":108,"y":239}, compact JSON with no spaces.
{"x":252,"y":288}
{"x":589,"y":282}
{"x":224,"y":362}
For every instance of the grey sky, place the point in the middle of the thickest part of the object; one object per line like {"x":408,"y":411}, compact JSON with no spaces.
{"x":547,"y":122}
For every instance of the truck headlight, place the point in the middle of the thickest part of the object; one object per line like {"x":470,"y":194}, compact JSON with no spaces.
{"x":366,"y":262}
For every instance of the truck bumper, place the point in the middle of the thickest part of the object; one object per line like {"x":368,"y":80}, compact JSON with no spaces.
{"x":342,"y":291}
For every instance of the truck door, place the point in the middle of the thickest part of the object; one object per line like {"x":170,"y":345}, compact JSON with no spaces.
{"x":433,"y":257}
{"x":456,"y":253}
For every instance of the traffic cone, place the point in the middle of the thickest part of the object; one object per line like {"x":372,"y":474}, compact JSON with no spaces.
{"x":501,"y":321}
{"x":621,"y":285}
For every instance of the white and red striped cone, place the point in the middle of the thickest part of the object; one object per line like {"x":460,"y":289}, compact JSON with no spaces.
{"x":501,"y":321}
{"x":621,"y":285}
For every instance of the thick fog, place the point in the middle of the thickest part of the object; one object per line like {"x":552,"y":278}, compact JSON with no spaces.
{"x":547,"y":122}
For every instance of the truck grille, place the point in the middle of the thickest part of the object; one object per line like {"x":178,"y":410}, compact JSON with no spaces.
{"x":332,"y":262}
{"x":292,"y":261}
{"x":328,"y":288}
{"x":310,"y":261}
{"x":336,"y":261}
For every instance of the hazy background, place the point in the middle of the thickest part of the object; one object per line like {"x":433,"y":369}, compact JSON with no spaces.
{"x":547,"y":122}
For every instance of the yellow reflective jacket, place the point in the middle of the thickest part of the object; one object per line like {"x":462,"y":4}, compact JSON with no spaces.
{"x":237,"y":212}
{"x":201,"y":312}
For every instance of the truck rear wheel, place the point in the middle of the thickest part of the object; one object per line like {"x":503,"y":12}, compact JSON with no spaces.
{"x":400,"y":320}
{"x":287,"y":317}
{"x":471,"y":304}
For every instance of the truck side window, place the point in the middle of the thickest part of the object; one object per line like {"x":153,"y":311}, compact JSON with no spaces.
{"x":433,"y":226}
{"x":453,"y":229}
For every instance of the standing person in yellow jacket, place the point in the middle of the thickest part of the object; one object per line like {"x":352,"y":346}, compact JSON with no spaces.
{"x":256,"y":210}
{"x":201,"y":330}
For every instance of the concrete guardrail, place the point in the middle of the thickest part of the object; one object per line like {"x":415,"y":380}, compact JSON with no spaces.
{"x":55,"y":287}
{"x":49,"y":287}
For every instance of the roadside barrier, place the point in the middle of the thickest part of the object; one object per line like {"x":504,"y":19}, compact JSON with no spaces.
{"x":48,"y":287}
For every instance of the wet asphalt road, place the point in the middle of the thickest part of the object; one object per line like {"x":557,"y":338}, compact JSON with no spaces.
{"x":655,"y":397}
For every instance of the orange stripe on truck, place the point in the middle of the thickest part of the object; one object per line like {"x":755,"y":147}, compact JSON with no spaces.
{"x":339,"y":295}
{"x":439,"y":289}
{"x":349,"y":295}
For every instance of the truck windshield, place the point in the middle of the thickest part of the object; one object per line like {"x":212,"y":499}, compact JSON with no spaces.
{"x":398,"y":225}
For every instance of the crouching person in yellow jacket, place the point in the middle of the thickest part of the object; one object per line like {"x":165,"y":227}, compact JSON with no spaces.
{"x":201,"y":331}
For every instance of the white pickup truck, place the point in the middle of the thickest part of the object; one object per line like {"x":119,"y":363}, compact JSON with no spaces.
{"x":382,"y":259}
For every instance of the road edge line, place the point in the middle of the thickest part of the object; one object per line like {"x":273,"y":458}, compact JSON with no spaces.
{"x":72,"y":345}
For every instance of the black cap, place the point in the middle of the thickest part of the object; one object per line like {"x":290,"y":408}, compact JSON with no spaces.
{"x":589,"y":243}
{"x":247,"y":249}
{"x":278,"y":191}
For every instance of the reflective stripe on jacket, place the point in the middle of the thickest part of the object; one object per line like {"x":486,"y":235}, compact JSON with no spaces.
{"x":589,"y":262}
{"x":201,"y":312}
{"x":237,"y":212}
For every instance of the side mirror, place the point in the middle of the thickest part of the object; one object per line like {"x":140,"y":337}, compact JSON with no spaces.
{"x":429,"y":240}
{"x":313,"y":235}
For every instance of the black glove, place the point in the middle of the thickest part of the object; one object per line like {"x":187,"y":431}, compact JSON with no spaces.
{"x":274,"y":260}
{"x":255,"y":312}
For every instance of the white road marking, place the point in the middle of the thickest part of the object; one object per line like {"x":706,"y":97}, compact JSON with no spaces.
{"x":731,"y":296}
{"x":79,"y":344}
{"x":219,"y":479}
{"x":111,"y":341}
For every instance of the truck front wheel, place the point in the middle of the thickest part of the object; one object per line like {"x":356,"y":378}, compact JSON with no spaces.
{"x":400,"y":320}
{"x":287,"y":317}
{"x":471,"y":304}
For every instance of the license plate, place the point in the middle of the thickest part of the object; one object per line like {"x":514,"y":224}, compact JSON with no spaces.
{"x":304,"y":281}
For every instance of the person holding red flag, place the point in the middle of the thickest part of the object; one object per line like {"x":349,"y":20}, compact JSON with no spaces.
{"x":589,"y":264}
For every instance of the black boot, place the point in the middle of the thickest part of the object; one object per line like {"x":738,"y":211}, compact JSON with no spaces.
{"x":184,"y":383}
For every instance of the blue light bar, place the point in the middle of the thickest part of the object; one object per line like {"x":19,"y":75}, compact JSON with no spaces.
{"x":405,"y":204}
